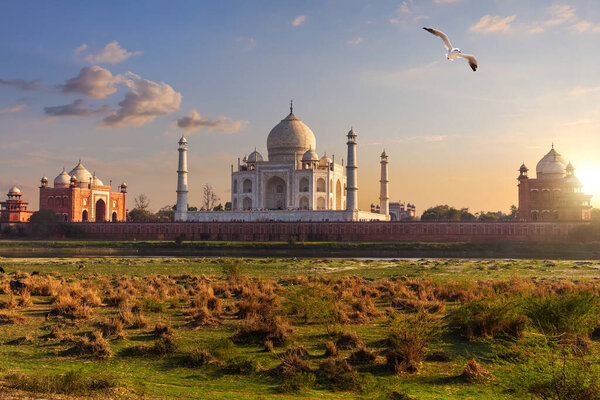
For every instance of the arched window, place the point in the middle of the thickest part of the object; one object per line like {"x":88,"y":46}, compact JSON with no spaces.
{"x":321,"y":205}
{"x":100,"y":211}
{"x":84,"y":216}
{"x":235,"y":186}
{"x":534,"y":195}
{"x":331,"y":186}
{"x":114,"y":217}
{"x":304,"y":185}
{"x":247,"y":186}
{"x":320,"y":185}
{"x":247,"y":203}
{"x":304,"y":203}
{"x":50,"y":202}
{"x":235,"y":206}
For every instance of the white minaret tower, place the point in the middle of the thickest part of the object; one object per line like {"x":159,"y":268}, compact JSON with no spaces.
{"x":351,"y":176}
{"x":182,"y":189}
{"x":384,"y":198}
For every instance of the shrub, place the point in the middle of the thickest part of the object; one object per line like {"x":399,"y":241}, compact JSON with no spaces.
{"x":70,"y":307}
{"x":241,"y":366}
{"x":362,"y":356}
{"x":312,"y":304}
{"x":198,"y":358}
{"x":298,"y":382}
{"x":475,"y":372}
{"x":203,"y":317}
{"x":77,"y":382}
{"x":568,"y":314}
{"x":409,"y":336}
{"x":257,"y":330}
{"x":348,"y":340}
{"x":418,"y":305}
{"x":11,"y":318}
{"x":112,"y":327}
{"x":162,"y":331}
{"x":93,"y":345}
{"x":25,"y":299}
{"x":233,"y":271}
{"x":331,"y":349}
{"x":139,"y":320}
{"x":161,"y":347}
{"x":292,"y":363}
{"x":488,"y":318}
{"x":337,"y":374}
{"x":10,"y":303}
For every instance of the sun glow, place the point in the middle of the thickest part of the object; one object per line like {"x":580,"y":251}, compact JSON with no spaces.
{"x":589,"y":175}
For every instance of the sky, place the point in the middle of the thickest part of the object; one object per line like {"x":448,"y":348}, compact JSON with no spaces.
{"x":116,"y":83}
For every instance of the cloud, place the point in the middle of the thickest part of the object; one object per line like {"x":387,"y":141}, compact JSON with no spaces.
{"x":560,"y":14}
{"x":76,"y":109}
{"x":492,"y":24}
{"x":299,"y":20}
{"x":356,"y":41}
{"x":146,"y":101}
{"x":22,"y":84}
{"x":445,"y":1}
{"x":580,"y":90}
{"x":93,"y":81}
{"x":80,"y":49}
{"x":14,"y":109}
{"x":112,"y":53}
{"x":585,"y":26}
{"x":194,"y":121}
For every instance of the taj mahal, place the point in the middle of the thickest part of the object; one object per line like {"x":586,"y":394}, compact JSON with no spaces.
{"x":292,"y":184}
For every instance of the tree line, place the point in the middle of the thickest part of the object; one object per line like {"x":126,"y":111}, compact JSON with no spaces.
{"x":449,"y":213}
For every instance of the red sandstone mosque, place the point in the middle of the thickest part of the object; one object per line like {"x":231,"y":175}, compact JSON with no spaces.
{"x":80,"y":196}
{"x":555,"y":194}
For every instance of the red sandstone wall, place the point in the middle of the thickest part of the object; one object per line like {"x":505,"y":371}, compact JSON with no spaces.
{"x":331,"y":231}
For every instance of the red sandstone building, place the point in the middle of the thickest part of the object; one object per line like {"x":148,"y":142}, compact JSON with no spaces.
{"x":14,"y":209}
{"x":80,"y":196}
{"x":555,"y":194}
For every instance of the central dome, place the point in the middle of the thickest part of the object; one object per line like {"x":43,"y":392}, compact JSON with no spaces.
{"x":290,"y":138}
{"x":552,"y":165}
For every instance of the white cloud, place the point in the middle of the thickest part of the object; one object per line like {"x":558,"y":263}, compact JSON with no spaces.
{"x":356,"y":41}
{"x":194,"y":121}
{"x":112,"y":53}
{"x":492,"y":24}
{"x":560,"y":14}
{"x":404,"y":10}
{"x":76,"y":109}
{"x":13,"y":109}
{"x":146,"y":101}
{"x":93,"y":81}
{"x":299,"y":20}
{"x":585,"y":26}
{"x":80,"y":49}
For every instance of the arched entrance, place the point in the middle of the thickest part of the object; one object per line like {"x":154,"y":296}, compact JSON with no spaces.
{"x":84,"y":216}
{"x":304,"y":203}
{"x":275,"y":198}
{"x":114,"y":217}
{"x":100,"y":211}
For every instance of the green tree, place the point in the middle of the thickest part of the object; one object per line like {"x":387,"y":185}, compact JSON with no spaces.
{"x":140,"y":215}
{"x":45,"y":223}
{"x":447,"y":213}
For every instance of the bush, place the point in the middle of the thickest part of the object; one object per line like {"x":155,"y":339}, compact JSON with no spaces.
{"x":362,"y":357}
{"x":348,"y":341}
{"x":161,"y":347}
{"x":93,"y":345}
{"x":292,"y":363}
{"x":199,"y":358}
{"x":409,"y":336}
{"x":257,"y":330}
{"x":475,"y":372}
{"x":568,"y":314}
{"x":112,"y":327}
{"x":488,"y":318}
{"x":11,"y":318}
{"x":241,"y":366}
{"x":331,"y":349}
{"x":77,"y":382}
{"x":337,"y":374}
{"x":299,"y":382}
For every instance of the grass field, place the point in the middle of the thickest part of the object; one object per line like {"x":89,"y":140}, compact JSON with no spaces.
{"x":299,"y":328}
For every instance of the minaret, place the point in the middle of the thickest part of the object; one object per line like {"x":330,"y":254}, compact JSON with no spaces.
{"x":384,"y":198}
{"x":351,"y":177}
{"x":182,"y":190}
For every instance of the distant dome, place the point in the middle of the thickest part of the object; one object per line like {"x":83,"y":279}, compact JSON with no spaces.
{"x":552,"y":165}
{"x":63,"y":180}
{"x":14,"y":190}
{"x":96,"y":181}
{"x":325,"y":160}
{"x":255,"y":156}
{"x":288,"y":138}
{"x":310,"y":155}
{"x":81,"y":173}
{"x":573,"y":181}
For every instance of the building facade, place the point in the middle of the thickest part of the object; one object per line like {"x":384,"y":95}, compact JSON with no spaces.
{"x":555,"y":194}
{"x":292,"y":184}
{"x":14,"y":209}
{"x":80,"y":196}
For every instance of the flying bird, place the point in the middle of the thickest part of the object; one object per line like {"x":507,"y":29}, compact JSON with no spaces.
{"x":453,"y":52}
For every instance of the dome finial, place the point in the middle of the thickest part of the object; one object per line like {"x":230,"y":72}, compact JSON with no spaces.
{"x":291,"y":106}
{"x":552,"y":145}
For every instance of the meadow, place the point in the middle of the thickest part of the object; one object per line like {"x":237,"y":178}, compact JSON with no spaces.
{"x":245,"y":328}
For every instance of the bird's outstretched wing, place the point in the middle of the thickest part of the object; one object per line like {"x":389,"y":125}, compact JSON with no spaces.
{"x":472,"y":60}
{"x":442,"y":36}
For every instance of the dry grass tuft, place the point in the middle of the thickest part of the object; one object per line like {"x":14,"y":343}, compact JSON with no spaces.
{"x":11,"y":318}
{"x":475,"y":372}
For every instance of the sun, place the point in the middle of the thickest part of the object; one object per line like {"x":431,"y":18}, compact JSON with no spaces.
{"x":589,"y":175}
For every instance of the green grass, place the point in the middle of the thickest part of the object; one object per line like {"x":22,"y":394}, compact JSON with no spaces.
{"x":166,"y":377}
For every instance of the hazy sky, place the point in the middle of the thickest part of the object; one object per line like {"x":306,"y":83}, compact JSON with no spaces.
{"x":107,"y":81}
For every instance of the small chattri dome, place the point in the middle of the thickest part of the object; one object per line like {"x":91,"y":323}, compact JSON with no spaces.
{"x":73,"y":179}
{"x":182,"y":140}
{"x":523,"y":168}
{"x":384,"y":154}
{"x":14,"y":190}
{"x":63,"y":180}
{"x":44,"y":179}
{"x":255,"y":156}
{"x":325,"y":160}
{"x":310,"y":155}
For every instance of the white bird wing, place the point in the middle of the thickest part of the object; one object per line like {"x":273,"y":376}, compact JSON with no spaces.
{"x":442,"y":36}
{"x":472,"y":60}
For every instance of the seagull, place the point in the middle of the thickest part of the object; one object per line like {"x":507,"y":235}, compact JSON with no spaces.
{"x":453,"y":52}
